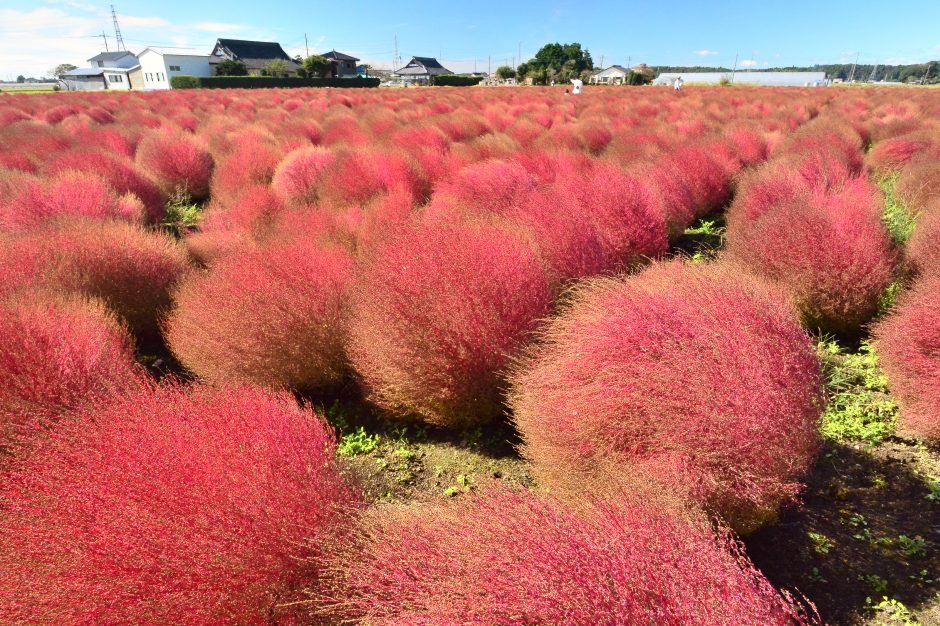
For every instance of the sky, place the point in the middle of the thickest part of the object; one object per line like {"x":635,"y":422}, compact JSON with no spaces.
{"x":37,"y":35}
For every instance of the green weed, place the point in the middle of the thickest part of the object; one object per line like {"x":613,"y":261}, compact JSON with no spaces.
{"x":181,"y":216}
{"x":822,"y":545}
{"x":895,"y":612}
{"x":897,"y":218}
{"x":357,"y":442}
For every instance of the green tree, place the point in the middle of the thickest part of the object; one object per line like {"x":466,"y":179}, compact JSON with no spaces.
{"x":230,"y":67}
{"x":367,"y":69}
{"x":561,"y":61}
{"x":315,"y":66}
{"x":277,"y":67}
{"x":522,"y":70}
{"x":504,"y":71}
{"x":21,"y":79}
{"x":60,"y":70}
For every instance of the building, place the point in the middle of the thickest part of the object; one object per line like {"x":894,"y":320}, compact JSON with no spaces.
{"x":421,"y":69}
{"x":768,"y":79}
{"x":108,"y":70}
{"x":613,"y":75}
{"x":344,"y":66}
{"x":256,"y":55}
{"x":159,"y":65}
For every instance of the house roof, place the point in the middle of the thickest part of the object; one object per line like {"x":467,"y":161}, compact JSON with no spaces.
{"x":333,"y":55}
{"x":181,"y":52}
{"x":109,"y":56}
{"x":254,"y":54}
{"x":423,"y":66}
{"x":86,"y":71}
{"x":613,"y":68}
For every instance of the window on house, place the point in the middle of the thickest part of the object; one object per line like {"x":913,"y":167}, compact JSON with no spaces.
{"x":115,"y":78}
{"x":174,"y":68}
{"x":159,"y":75}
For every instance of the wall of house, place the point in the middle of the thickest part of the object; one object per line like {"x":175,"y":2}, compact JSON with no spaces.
{"x":85,"y":83}
{"x":117,"y":81}
{"x":136,"y":78}
{"x":157,"y":69}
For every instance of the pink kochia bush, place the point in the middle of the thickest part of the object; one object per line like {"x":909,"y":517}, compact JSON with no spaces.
{"x":437,"y":314}
{"x":508,"y":557}
{"x":908,"y":342}
{"x":170,"y":506}
{"x":178,"y":163}
{"x":58,"y":355}
{"x":272,"y":316}
{"x":130,"y":269}
{"x":297,"y":177}
{"x":698,"y":379}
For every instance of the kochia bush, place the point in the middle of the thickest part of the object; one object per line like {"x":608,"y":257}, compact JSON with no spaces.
{"x":908,"y":342}
{"x":272,"y":316}
{"x":517,"y":558}
{"x":697,"y":378}
{"x":171,"y":505}
{"x":177,"y":162}
{"x":436,"y":316}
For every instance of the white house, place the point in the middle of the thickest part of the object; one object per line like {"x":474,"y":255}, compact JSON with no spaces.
{"x":158,"y":65}
{"x":613,"y":75}
{"x":109,"y":70}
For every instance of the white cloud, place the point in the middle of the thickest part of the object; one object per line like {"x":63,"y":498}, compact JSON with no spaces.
{"x":705,"y":53}
{"x":748,"y":63}
{"x":220,"y":27}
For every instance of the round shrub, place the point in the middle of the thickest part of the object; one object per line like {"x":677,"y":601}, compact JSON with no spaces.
{"x":130,"y":269}
{"x":908,"y":342}
{"x":832,"y":252}
{"x":171,"y":505}
{"x":177,"y":162}
{"x":698,"y":378}
{"x":272,"y":316}
{"x":437,"y":314}
{"x":57,"y":356}
{"x":517,"y":558}
{"x":298,"y":175}
{"x":919,"y":184}
{"x":923,"y":248}
{"x":889,"y":156}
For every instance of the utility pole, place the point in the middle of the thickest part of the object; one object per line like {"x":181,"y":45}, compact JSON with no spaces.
{"x":117,"y":30}
{"x":734,"y":68}
{"x":852,"y":75}
{"x":395,"y":58}
{"x":489,"y":66}
{"x":602,"y":61}
{"x":874,"y":71}
{"x":306,"y":46}
{"x":923,"y":81}
{"x":520,"y":55}
{"x":105,"y":38}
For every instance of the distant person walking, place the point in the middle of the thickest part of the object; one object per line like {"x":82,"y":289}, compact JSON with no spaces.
{"x":678,"y":83}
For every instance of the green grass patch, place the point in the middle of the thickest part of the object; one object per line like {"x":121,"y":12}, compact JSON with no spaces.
{"x":897,"y":218}
{"x":358,"y":442}
{"x":181,"y":217}
{"x":860,"y":407}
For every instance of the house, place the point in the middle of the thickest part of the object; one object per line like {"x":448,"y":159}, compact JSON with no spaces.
{"x":775,"y":79}
{"x":421,"y":69}
{"x":158,"y":65}
{"x":613,"y":75}
{"x":344,"y":66}
{"x":109,"y":70}
{"x":256,"y":55}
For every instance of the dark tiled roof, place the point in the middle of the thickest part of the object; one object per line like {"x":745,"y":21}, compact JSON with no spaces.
{"x":419,"y":66}
{"x":254,"y":54}
{"x":109,"y":56}
{"x":333,"y":55}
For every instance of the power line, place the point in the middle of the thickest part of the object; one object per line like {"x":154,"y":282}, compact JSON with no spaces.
{"x":117,"y":31}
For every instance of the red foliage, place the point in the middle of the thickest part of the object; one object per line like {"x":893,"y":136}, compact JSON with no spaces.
{"x":890,"y":155}
{"x":632,"y":381}
{"x":171,"y":505}
{"x":298,"y":175}
{"x":57,"y":355}
{"x":177,"y":162}
{"x":438,"y":313}
{"x":832,"y":252}
{"x":489,"y":186}
{"x":923,"y":248}
{"x":274,"y":316}
{"x":517,"y":558}
{"x":130,"y":269}
{"x":908,"y":342}
{"x":919,"y":184}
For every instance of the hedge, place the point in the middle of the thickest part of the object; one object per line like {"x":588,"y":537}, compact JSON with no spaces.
{"x":265,"y":82}
{"x":452,"y":80}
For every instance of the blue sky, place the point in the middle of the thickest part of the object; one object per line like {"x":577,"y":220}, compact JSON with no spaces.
{"x":35,"y":36}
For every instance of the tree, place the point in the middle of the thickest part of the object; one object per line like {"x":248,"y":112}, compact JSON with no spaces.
{"x":504,"y":71}
{"x":230,"y":67}
{"x":522,"y":70}
{"x":367,"y":69}
{"x":60,"y":70}
{"x":277,"y":67}
{"x":21,"y":79}
{"x":561,"y":61}
{"x":315,"y":66}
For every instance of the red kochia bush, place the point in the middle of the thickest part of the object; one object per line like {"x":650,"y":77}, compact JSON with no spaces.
{"x":130,"y":269}
{"x":509,"y":557}
{"x":908,"y":342}
{"x":297,"y":176}
{"x":831,"y":251}
{"x":273,"y":316}
{"x":177,"y":162}
{"x":919,"y":184}
{"x":171,"y":506}
{"x":437,"y":314}
{"x":923,"y":248}
{"x":57,"y":355}
{"x":698,"y":378}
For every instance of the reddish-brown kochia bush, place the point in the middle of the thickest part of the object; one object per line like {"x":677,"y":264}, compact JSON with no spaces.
{"x":831,"y":252}
{"x":698,"y":378}
{"x":908,"y":342}
{"x":130,"y":269}
{"x":437,"y":314}
{"x":172,"y":505}
{"x":272,"y":316}
{"x":297,"y":177}
{"x":922,"y":252}
{"x":919,"y":184}
{"x":57,"y":354}
{"x":890,"y":155}
{"x":177,"y":162}
{"x":507,"y":557}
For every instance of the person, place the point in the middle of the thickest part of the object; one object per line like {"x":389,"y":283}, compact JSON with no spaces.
{"x":566,"y":93}
{"x":678,"y":83}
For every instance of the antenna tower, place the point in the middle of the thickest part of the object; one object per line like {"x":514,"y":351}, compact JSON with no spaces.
{"x":117,"y":30}
{"x":874,"y":71}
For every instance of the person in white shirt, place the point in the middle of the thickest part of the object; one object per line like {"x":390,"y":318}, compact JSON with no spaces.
{"x":678,"y":83}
